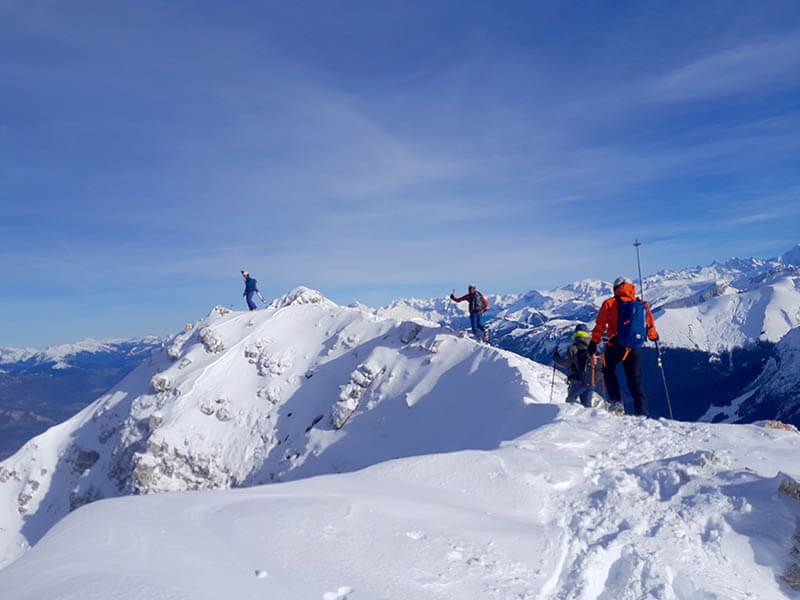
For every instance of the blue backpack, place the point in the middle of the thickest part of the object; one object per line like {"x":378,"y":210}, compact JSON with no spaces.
{"x":631,"y":324}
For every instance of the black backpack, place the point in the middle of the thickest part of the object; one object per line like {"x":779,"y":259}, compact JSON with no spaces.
{"x":583,"y":366}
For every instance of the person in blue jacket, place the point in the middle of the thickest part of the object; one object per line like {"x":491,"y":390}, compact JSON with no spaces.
{"x":249,"y":289}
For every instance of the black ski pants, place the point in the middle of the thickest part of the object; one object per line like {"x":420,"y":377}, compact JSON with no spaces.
{"x":633,"y":377}
{"x":576,"y":390}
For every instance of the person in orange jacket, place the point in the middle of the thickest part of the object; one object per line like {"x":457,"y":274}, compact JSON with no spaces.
{"x":624,"y":291}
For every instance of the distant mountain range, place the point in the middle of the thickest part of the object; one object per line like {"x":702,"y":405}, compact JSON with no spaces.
{"x":718,"y":326}
{"x":39,"y":388}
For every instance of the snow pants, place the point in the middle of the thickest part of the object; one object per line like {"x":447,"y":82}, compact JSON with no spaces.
{"x":250,"y":304}
{"x":633,"y":377}
{"x":476,"y":321}
{"x":577,"y":389}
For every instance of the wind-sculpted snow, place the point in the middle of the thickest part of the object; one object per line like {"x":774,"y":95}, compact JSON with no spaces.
{"x":238,"y":399}
{"x":586,"y":506}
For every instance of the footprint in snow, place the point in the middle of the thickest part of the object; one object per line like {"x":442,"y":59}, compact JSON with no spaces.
{"x":261,"y":574}
{"x":341,"y":594}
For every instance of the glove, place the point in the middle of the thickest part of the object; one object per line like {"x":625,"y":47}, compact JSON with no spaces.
{"x":655,"y":339}
{"x":556,"y":355}
{"x":592,"y":348}
{"x":452,"y":297}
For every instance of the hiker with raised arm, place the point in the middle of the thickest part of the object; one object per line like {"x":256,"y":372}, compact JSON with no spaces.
{"x":250,"y":288}
{"x":477,"y":306}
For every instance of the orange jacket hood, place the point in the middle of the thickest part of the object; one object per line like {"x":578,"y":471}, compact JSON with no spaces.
{"x":626,"y":292}
{"x":607,"y":317}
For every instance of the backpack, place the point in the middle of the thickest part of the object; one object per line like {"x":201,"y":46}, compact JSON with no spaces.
{"x":631,"y":323}
{"x":581,"y":370}
{"x":479,"y":303}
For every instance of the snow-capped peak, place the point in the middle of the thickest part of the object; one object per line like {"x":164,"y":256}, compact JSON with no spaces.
{"x":792,"y":257}
{"x":13,"y":355}
{"x":301,"y":295}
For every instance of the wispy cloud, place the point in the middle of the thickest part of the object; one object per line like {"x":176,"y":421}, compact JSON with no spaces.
{"x":337,"y":149}
{"x":762,"y":66}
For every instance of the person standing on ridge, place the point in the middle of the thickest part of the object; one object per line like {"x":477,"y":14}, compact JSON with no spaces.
{"x":477,"y":306}
{"x":629,"y":323}
{"x":249,"y":289}
{"x":578,"y":365}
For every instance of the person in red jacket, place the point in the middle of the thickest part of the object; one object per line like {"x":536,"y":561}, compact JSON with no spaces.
{"x":624,"y":291}
{"x":477,"y":306}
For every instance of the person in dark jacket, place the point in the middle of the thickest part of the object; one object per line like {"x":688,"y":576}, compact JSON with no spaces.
{"x":578,"y":372}
{"x":249,"y":289}
{"x":477,"y":306}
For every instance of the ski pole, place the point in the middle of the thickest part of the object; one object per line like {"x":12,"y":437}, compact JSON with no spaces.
{"x":660,"y":362}
{"x":664,"y":379}
{"x":553,"y":383}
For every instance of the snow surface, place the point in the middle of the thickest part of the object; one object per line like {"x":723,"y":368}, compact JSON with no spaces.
{"x":586,"y":505}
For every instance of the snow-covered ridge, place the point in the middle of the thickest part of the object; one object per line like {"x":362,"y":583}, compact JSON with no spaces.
{"x":238,"y":399}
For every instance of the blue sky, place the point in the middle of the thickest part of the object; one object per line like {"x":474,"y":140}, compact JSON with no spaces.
{"x":150,"y":150}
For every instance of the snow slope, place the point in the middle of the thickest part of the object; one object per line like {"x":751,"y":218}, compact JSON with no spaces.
{"x":238,"y":399}
{"x":584,"y":506}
